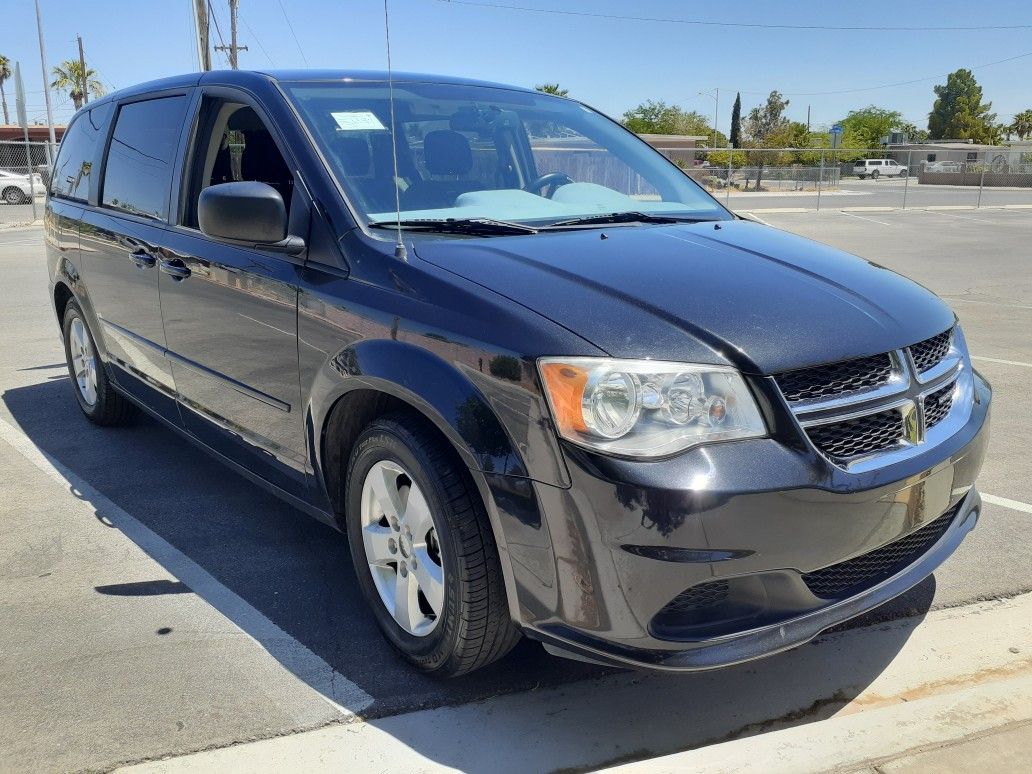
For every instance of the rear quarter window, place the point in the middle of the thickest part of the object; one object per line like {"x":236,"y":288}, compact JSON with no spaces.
{"x":78,"y":153}
{"x":138,"y":173}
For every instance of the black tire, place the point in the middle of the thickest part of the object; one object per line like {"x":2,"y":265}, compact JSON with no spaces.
{"x":875,"y":175}
{"x":475,"y":627}
{"x":110,"y":408}
{"x":862,"y":177}
{"x":14,"y":195}
{"x":903,"y":173}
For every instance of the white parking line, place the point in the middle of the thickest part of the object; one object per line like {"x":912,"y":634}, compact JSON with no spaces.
{"x":332,"y":687}
{"x":872,"y":220}
{"x":987,"y":303}
{"x":957,"y":217}
{"x":1004,"y":362}
{"x":1005,"y":502}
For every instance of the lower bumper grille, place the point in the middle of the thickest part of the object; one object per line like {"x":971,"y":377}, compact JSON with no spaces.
{"x":854,"y":575}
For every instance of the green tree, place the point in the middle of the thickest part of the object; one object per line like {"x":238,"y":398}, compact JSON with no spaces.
{"x":736,"y":122}
{"x":913,"y":134}
{"x":959,"y":113}
{"x":1022,"y":124}
{"x":657,"y":117}
{"x":553,"y":88}
{"x":68,"y":76}
{"x":870,"y":124}
{"x":5,"y":73}
{"x":767,"y":127}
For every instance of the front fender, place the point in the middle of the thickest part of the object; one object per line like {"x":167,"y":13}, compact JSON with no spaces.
{"x":434,"y":387}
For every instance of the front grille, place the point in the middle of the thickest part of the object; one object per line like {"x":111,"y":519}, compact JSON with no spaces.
{"x":938,"y":405}
{"x":698,"y":597}
{"x":834,"y":379}
{"x":931,"y":351}
{"x":862,"y":435}
{"x":853,"y":575}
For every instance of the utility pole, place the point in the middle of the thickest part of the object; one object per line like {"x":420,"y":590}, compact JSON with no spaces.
{"x":46,"y":87}
{"x":807,"y":118}
{"x":82,"y":69}
{"x":201,"y":28}
{"x":232,"y":48}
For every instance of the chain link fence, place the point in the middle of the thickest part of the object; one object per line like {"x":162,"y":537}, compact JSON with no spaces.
{"x":24,"y":179}
{"x":944,"y":175}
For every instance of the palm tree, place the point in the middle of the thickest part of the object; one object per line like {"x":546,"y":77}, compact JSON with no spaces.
{"x":68,"y":77}
{"x":553,"y":88}
{"x":1022,"y":124}
{"x":5,"y":73}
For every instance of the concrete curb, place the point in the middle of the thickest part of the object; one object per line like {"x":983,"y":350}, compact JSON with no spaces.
{"x":850,"y":697}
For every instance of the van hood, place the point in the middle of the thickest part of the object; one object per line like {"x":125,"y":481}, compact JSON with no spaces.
{"x":730,"y":293}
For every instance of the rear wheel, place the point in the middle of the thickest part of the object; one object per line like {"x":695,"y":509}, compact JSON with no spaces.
{"x":93,"y":391}
{"x":875,"y":175}
{"x":14,"y":195}
{"x":423,"y":549}
{"x":862,"y":177}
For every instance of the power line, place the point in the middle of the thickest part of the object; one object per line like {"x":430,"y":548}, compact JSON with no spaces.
{"x":290,"y":26}
{"x":756,"y":25}
{"x":256,"y":40}
{"x":892,"y":85}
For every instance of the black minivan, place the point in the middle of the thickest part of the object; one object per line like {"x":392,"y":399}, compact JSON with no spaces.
{"x":545,"y":383}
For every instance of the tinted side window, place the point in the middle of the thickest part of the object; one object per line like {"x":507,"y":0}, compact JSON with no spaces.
{"x":71,"y":176}
{"x":143,"y":148}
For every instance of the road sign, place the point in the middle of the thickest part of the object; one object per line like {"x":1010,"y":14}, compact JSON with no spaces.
{"x":836,"y":135}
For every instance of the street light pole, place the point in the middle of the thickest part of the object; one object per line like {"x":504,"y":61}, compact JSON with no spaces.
{"x":46,"y":87}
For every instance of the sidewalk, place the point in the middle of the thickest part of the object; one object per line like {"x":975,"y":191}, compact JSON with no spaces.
{"x":902,"y":697}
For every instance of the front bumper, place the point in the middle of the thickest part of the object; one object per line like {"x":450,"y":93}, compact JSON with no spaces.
{"x":597,"y":564}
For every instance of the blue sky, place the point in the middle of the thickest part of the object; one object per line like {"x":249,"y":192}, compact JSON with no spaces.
{"x":611,"y":64}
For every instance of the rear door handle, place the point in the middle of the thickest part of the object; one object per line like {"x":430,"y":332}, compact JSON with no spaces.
{"x":143,"y":259}
{"x":175,"y":268}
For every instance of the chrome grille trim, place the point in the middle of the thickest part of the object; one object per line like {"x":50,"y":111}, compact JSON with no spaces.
{"x":932,"y":406}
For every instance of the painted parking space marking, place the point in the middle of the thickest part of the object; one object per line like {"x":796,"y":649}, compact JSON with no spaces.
{"x":987,"y":303}
{"x":869,"y":220}
{"x":955,"y":216}
{"x":1006,"y":502}
{"x":1004,"y":362}
{"x":335,"y":689}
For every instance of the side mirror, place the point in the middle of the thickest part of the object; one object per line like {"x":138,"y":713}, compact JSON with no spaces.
{"x":247,"y":212}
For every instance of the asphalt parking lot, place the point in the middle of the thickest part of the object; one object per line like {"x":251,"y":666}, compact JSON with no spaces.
{"x":155,"y":604}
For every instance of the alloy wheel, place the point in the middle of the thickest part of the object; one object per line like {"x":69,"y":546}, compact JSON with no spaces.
{"x":84,"y":361}
{"x":402,"y":549}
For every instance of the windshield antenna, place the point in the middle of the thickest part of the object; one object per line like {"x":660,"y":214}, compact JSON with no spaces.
{"x":399,"y":246}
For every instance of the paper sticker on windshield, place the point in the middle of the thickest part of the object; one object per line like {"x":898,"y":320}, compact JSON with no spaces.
{"x":358,"y":121}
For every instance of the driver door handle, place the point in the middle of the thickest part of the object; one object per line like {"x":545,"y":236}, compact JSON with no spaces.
{"x":175,"y":268}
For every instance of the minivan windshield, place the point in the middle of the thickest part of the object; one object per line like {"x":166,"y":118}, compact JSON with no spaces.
{"x":472,"y":153}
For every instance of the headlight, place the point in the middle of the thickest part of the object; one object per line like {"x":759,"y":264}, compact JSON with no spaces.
{"x":645,"y":408}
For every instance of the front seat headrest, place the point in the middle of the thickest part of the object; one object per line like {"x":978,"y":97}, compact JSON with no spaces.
{"x":447,"y":153}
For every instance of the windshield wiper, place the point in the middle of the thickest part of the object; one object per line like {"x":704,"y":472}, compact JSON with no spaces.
{"x":624,"y":217}
{"x":471,"y":226}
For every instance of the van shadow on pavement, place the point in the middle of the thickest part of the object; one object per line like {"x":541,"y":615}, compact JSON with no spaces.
{"x":298,"y":574}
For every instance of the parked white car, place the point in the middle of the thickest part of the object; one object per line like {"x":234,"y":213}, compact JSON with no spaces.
{"x":943,"y":166}
{"x":875,"y":168}
{"x":15,"y":188}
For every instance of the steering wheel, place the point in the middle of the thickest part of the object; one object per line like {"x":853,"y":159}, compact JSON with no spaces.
{"x":552,"y":181}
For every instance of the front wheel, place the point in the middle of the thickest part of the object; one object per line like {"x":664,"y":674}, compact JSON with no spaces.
{"x":423,"y":549}
{"x":903,"y":173}
{"x":875,"y":175}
